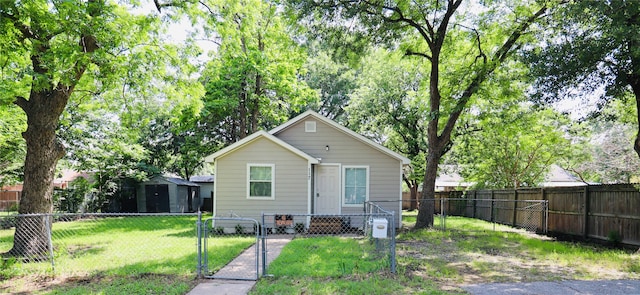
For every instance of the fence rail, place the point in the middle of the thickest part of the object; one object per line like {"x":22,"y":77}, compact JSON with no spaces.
{"x":607,"y":213}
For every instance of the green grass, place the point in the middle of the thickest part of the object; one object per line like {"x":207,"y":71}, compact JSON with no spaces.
{"x":128,"y":255}
{"x":151,"y":255}
{"x":439,"y":262}
{"x":333,"y":265}
{"x":470,"y":251}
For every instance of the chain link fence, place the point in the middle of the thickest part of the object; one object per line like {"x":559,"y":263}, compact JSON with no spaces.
{"x":85,"y":244}
{"x":230,"y":248}
{"x":178,"y":244}
{"x":373,"y":230}
{"x":530,"y":215}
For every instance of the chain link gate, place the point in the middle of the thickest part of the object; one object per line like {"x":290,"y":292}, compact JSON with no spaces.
{"x":231,"y":239}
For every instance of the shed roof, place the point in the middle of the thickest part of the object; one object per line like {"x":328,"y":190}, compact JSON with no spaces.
{"x":202,"y":178}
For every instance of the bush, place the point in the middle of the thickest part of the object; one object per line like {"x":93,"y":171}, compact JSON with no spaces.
{"x":239,"y":229}
{"x":7,"y":222}
{"x":614,"y":237}
{"x":8,"y":268}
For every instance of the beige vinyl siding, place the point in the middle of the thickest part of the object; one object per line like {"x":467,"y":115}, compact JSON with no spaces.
{"x":290,"y":181}
{"x":384,"y":171}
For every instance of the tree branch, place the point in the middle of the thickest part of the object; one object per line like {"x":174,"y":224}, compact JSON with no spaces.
{"x":481,"y":75}
{"x":409,"y":52}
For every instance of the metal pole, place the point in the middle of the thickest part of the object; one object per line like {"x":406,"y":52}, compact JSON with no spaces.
{"x":258,"y":251}
{"x":47,"y":222}
{"x":546,"y":216}
{"x":393,"y":242}
{"x":263,"y":233}
{"x":199,"y":243}
{"x":443,"y":211}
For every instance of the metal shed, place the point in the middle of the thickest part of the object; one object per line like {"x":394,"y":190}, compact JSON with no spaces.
{"x":164,"y":194}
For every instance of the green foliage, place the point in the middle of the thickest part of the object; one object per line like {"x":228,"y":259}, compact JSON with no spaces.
{"x":512,"y":147}
{"x":593,"y":47}
{"x":12,"y":145}
{"x":8,"y":267}
{"x":614,"y":237}
{"x":388,"y":102}
{"x":70,"y":199}
{"x":593,"y":57}
{"x":252,"y":83}
{"x":334,"y":82}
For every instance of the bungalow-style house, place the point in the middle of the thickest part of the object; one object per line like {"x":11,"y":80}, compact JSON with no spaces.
{"x":163,"y":194}
{"x":308,"y":165}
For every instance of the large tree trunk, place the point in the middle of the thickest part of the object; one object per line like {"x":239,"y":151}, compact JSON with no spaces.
{"x":43,"y":152}
{"x":636,"y":144}
{"x":427,"y":205}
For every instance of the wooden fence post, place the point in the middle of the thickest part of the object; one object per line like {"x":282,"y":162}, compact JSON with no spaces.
{"x":543,"y":217}
{"x":515,"y":207}
{"x":475,"y":198}
{"x":586,"y":206}
{"x":491,"y":208}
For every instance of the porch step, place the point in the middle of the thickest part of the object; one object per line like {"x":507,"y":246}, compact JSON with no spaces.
{"x":325,"y":225}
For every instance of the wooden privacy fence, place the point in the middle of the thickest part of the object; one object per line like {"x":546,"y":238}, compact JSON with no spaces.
{"x":601,"y":212}
{"x":9,"y":199}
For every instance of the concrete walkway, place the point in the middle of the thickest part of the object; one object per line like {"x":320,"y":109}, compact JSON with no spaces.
{"x":243,"y":268}
{"x":615,"y":287}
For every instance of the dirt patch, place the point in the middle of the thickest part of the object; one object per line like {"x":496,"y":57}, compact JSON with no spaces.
{"x":43,"y":283}
{"x":457,"y":259}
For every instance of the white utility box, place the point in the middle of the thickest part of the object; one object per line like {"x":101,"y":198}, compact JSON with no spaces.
{"x":380,"y":228}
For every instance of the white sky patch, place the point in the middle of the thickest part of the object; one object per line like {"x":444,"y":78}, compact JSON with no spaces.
{"x":179,"y":32}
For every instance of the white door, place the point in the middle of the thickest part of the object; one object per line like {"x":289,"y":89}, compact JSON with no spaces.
{"x":327,"y":189}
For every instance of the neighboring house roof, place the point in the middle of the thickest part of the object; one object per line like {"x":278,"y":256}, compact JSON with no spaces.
{"x":343,"y":129}
{"x":556,"y":177}
{"x":202,"y":178}
{"x":560,"y":177}
{"x":68,"y":175}
{"x":452,"y":179}
{"x":260,"y":134}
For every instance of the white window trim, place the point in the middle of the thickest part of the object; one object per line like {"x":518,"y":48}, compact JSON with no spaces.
{"x":344,"y":183}
{"x":273,"y":181}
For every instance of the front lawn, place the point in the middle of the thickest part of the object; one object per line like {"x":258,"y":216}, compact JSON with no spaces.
{"x":125,"y":254}
{"x":160,"y":258}
{"x":439,"y":262}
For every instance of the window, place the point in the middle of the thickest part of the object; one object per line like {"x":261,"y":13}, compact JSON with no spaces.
{"x":356,"y":188}
{"x":260,"y":182}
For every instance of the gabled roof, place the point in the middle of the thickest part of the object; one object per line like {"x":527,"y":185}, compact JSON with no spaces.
{"x":255,"y":136}
{"x":557,"y":176}
{"x":343,"y":129}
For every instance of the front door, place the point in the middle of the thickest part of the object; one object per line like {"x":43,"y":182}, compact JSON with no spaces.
{"x":327,"y":189}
